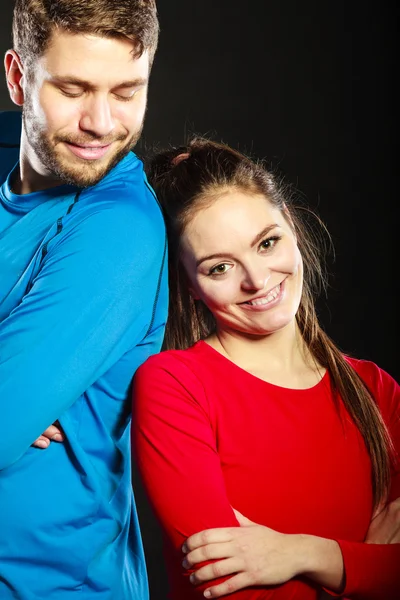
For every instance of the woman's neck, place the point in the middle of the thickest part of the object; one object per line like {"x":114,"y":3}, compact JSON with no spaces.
{"x":281,"y":358}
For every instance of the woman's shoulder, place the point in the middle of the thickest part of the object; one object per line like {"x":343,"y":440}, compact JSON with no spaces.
{"x":173,"y":375}
{"x":380,"y":383}
{"x":176,"y":362}
{"x":369,"y":370}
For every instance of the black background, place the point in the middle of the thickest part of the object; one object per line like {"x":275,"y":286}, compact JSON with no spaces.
{"x":310,"y":87}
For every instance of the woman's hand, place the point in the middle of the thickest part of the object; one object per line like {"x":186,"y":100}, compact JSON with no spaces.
{"x":257,"y":555}
{"x":53,"y":433}
{"x":385,"y":525}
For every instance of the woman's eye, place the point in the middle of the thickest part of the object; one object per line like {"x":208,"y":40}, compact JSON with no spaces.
{"x":220,"y":269}
{"x":269,"y":243}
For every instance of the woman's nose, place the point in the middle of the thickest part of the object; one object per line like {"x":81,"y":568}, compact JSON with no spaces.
{"x":256,"y":279}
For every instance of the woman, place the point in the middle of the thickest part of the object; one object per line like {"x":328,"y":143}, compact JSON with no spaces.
{"x":253,"y":426}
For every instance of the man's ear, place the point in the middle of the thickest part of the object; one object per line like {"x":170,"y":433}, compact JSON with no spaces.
{"x":14,"y":76}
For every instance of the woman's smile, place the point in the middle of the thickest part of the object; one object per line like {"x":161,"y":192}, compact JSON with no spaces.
{"x":268,"y":300}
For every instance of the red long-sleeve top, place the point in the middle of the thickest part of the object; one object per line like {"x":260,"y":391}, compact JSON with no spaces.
{"x":209,"y":436}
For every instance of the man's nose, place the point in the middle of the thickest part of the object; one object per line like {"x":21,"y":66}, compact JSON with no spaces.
{"x":97,"y":118}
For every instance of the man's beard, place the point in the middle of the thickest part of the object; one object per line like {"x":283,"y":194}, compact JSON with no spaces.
{"x":78,"y":172}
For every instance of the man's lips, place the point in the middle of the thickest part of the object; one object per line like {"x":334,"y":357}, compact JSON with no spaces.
{"x":88,"y":152}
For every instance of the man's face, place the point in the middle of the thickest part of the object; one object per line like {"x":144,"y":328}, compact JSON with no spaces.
{"x":84,"y":105}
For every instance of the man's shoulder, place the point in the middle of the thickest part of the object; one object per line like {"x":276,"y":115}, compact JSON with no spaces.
{"x":109,"y":227}
{"x":122,"y":200}
{"x":125,"y":186}
{"x":135,"y":215}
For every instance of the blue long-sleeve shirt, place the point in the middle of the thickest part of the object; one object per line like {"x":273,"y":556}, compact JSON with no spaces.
{"x":83,"y":302}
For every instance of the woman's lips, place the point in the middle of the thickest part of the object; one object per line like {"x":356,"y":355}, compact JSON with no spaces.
{"x":266,"y":302}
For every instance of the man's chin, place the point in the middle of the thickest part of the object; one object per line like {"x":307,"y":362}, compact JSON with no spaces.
{"x":86,"y":173}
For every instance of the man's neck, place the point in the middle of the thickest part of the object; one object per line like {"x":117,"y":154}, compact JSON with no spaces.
{"x":30,"y":179}
{"x":27,"y":180}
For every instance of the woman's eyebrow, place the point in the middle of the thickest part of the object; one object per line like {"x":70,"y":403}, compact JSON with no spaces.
{"x":258,"y":237}
{"x":262,"y":233}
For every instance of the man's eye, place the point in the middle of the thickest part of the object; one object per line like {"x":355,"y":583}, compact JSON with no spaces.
{"x":71,"y":94}
{"x":125,"y":97}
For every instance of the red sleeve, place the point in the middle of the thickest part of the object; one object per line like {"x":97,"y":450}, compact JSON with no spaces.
{"x":373,"y":570}
{"x":176,"y":454}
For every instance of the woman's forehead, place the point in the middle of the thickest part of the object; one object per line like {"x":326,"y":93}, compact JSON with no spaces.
{"x":231,"y":219}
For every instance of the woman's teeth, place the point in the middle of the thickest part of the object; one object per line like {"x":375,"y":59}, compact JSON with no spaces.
{"x":274,"y":293}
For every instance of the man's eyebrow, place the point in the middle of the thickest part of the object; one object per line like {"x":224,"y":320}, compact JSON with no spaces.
{"x":257,"y":239}
{"x":139,"y":82}
{"x":71,"y":80}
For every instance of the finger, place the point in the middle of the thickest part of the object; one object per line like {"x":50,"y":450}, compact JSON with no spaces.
{"x":54,"y":433}
{"x":208,"y":536}
{"x":243,"y":521}
{"x":235,"y":583}
{"x":218,"y":569}
{"x":41,"y":442}
{"x":209,"y":552}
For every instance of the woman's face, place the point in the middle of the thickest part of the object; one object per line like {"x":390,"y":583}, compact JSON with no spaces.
{"x":242,"y":260}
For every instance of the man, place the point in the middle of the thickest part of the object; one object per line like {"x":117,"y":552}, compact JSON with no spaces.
{"x":83,"y":296}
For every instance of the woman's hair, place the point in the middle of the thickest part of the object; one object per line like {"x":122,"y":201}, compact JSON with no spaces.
{"x":191,"y":177}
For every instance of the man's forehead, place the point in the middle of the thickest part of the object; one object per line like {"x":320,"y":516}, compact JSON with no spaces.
{"x":81,"y":49}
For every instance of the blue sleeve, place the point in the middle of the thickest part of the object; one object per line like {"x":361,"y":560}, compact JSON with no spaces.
{"x":92,"y":300}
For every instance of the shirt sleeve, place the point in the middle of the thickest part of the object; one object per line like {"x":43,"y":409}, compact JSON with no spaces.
{"x":373,"y":570}
{"x":91,"y":301}
{"x":174,"y":443}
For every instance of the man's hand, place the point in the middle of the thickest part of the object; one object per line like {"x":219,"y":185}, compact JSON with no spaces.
{"x":53,"y":433}
{"x":385,"y":525}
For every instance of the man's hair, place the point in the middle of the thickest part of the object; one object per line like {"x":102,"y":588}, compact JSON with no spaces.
{"x":35,"y":21}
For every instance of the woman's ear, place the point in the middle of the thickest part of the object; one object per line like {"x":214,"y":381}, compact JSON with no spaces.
{"x":193,"y":294}
{"x":14,"y":75}
{"x":288,"y":217}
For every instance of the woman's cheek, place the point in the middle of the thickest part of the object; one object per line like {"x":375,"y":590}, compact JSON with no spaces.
{"x":225,"y":295}
{"x":219,"y":293}
{"x":288,"y":260}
